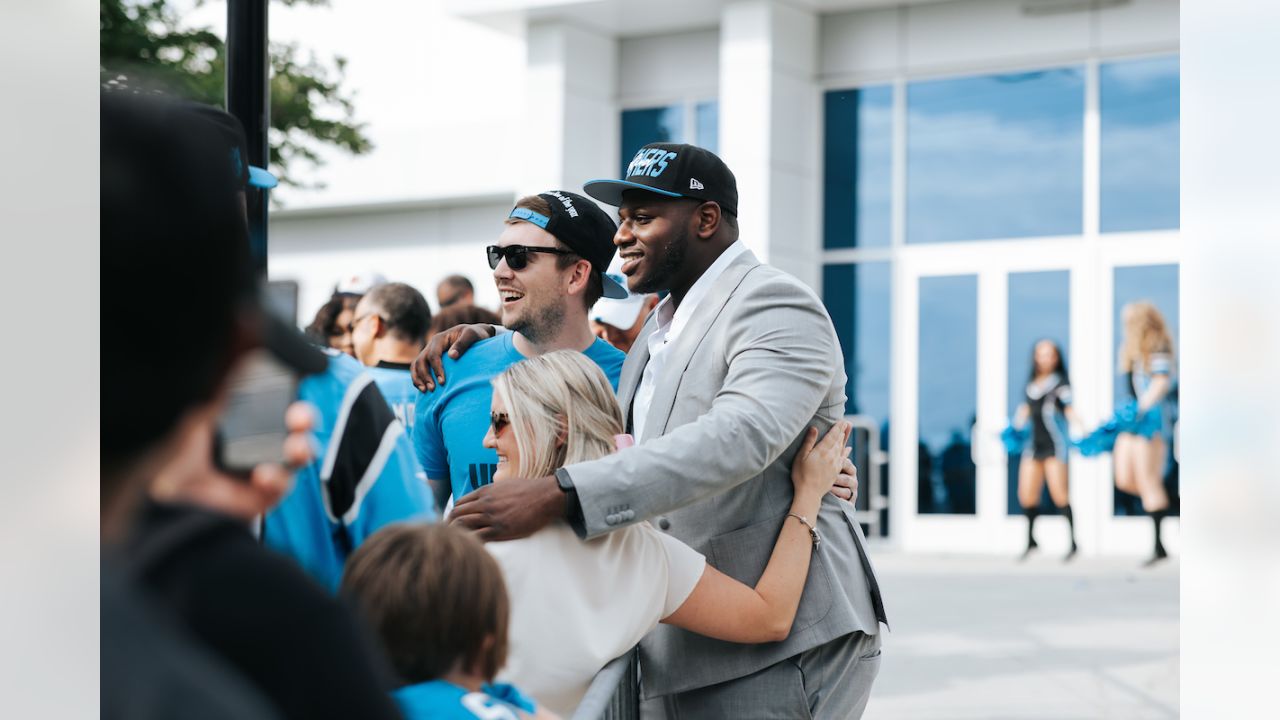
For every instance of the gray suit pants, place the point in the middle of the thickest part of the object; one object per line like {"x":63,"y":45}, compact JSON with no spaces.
{"x":830,"y":681}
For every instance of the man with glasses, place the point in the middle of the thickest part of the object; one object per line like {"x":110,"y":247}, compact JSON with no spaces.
{"x":387,"y":333}
{"x":549,"y":267}
{"x":455,"y":291}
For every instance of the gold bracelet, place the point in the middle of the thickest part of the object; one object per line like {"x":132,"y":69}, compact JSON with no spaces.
{"x":813,"y":531}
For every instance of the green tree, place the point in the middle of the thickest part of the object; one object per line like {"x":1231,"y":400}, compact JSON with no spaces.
{"x":144,"y":46}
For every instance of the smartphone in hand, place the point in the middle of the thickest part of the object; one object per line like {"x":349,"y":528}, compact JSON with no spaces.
{"x":252,"y":429}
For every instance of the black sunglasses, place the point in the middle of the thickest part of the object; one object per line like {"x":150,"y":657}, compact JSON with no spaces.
{"x":518,"y":255}
{"x":499,"y":422}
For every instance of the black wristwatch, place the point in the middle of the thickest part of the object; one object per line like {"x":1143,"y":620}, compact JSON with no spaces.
{"x":572,"y":506}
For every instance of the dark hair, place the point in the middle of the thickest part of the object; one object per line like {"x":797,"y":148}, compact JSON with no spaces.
{"x":595,"y":286}
{"x":468,"y":315}
{"x":402,"y":308}
{"x":457,"y":283}
{"x":1060,"y":368}
{"x":433,"y":595}
{"x":174,"y":246}
{"x":325,"y":323}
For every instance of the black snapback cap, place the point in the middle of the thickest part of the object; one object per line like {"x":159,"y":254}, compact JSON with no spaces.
{"x":584,"y":228}
{"x":672,"y":170}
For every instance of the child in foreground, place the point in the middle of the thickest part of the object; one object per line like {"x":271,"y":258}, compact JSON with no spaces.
{"x":438,"y":602}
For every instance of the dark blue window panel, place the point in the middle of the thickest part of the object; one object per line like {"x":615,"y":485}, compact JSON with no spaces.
{"x":1140,"y":126}
{"x":858,"y":299}
{"x":649,"y":125}
{"x":1158,"y":284}
{"x":1039,"y":308}
{"x":995,"y":156}
{"x":858,"y":167}
{"x":706,"y":119}
{"x":948,"y":391}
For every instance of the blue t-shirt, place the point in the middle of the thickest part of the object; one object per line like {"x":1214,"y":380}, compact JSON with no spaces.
{"x":364,"y":476}
{"x":395,"y":381}
{"x":453,"y":420}
{"x":440,"y":700}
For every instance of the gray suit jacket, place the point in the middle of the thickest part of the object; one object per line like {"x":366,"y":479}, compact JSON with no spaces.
{"x":757,"y":364}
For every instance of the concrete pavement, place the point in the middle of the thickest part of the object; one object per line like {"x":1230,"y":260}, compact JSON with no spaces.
{"x":983,"y":637}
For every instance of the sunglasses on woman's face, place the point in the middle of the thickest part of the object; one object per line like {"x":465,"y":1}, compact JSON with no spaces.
{"x":499,"y":422}
{"x":518,"y":255}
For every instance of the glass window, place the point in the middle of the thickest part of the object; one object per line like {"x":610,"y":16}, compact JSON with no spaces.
{"x":858,"y":300}
{"x":948,"y":387}
{"x":1159,"y":285}
{"x":707,"y":125}
{"x":858,"y":167}
{"x":1039,"y":308}
{"x":1139,"y":107}
{"x":649,"y":125}
{"x":995,"y":156}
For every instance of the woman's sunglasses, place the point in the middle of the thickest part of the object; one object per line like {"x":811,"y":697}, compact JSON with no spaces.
{"x":518,"y":255}
{"x":499,"y":422}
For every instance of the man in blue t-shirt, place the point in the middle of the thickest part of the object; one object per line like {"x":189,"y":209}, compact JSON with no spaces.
{"x":549,"y":266}
{"x":388,"y":330}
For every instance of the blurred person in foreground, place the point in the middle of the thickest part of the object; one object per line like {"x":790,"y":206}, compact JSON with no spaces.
{"x":331,"y":326}
{"x":455,"y":291}
{"x":439,"y":603}
{"x":577,"y":605}
{"x":174,"y":226}
{"x":1046,"y":407}
{"x":728,"y":372}
{"x":1146,"y":359}
{"x":548,"y":265}
{"x":388,"y":331}
{"x":619,"y":322}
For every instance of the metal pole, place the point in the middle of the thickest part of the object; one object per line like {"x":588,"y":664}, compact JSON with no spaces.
{"x":249,"y":99}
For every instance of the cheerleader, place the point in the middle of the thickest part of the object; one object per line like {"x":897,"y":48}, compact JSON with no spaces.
{"x":1047,"y":407}
{"x":1146,"y":358}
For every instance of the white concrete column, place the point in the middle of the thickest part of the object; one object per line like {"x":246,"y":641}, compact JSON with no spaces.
{"x":570,"y":125}
{"x":769,"y":130}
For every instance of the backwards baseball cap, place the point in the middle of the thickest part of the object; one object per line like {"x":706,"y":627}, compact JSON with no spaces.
{"x":583,"y":227}
{"x":672,"y":170}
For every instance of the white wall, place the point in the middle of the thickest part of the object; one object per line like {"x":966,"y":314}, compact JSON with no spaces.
{"x":962,"y":37}
{"x":416,"y":246}
{"x":660,"y":69}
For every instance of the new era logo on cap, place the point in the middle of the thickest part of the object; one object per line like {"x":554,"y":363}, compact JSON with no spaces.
{"x":694,"y":184}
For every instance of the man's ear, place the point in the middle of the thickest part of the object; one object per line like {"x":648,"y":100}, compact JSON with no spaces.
{"x":707,"y":218}
{"x":580,"y":276}
{"x":379,"y":330}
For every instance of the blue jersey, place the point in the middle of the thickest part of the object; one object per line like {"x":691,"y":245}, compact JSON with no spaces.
{"x":364,"y":475}
{"x":396,"y":384}
{"x":440,"y":700}
{"x":453,"y":420}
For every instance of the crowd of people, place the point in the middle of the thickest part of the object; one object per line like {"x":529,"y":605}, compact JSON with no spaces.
{"x":474,"y":511}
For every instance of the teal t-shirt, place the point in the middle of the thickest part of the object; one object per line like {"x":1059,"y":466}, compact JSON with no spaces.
{"x":453,"y":420}
{"x":440,"y":700}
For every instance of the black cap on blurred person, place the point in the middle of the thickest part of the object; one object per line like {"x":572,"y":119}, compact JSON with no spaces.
{"x":672,"y":170}
{"x":180,"y":297}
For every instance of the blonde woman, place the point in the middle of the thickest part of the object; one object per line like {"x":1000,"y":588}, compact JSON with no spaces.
{"x":1146,"y":357}
{"x":575,"y":605}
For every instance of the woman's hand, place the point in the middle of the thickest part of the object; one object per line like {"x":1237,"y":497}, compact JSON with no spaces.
{"x":817,"y":464}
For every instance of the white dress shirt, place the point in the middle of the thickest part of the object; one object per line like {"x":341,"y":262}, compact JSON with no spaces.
{"x":671,"y":322}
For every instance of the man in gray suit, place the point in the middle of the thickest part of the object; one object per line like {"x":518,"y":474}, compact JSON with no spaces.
{"x":726,"y":375}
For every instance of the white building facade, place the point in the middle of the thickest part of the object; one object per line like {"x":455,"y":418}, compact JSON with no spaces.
{"x":956,"y":179}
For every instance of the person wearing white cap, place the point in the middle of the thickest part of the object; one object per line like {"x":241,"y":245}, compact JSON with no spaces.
{"x":618,"y":322}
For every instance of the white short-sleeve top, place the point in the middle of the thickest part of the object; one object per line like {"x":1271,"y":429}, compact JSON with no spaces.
{"x":577,"y":604}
